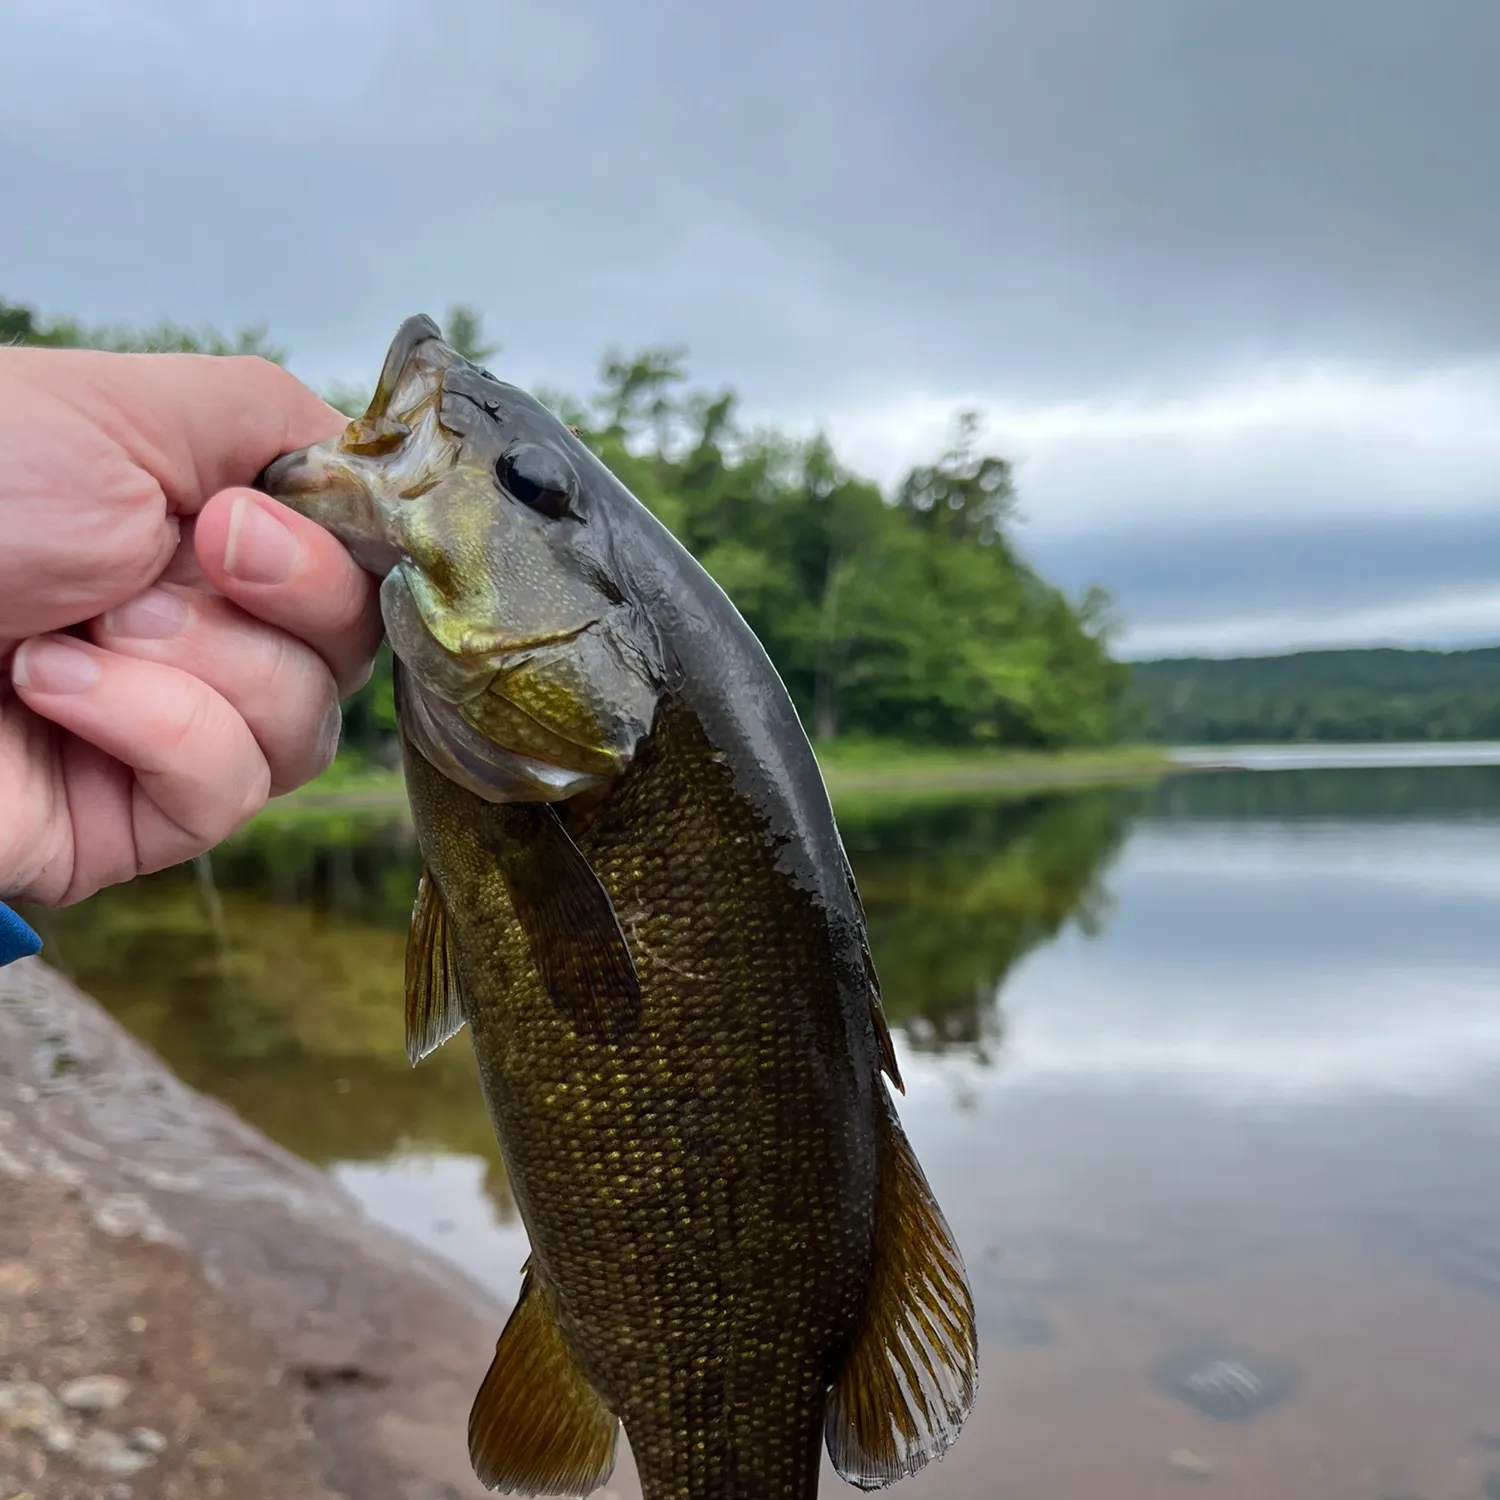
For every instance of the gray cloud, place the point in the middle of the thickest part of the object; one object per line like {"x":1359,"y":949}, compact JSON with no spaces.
{"x":1175,"y":586}
{"x":834,"y":204}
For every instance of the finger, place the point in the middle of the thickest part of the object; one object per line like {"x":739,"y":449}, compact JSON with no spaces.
{"x":289,"y":572}
{"x":278,"y":685}
{"x":197,"y":423}
{"x":199,"y":771}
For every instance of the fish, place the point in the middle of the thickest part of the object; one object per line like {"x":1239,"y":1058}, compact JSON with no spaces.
{"x":635,"y":896}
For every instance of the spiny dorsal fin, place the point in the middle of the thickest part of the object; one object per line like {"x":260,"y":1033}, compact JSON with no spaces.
{"x":910,"y":1381}
{"x":433,"y":1009}
{"x":570,"y":922}
{"x":538,"y":1427}
{"x":888,"y":1062}
{"x":882,"y":1028}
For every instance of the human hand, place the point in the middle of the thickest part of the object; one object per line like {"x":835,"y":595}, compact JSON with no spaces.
{"x":215,"y":629}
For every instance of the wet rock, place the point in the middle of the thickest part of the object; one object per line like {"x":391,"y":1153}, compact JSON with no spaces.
{"x":17,"y":1279}
{"x":23,"y":1403}
{"x":147,"y":1440}
{"x":32,"y":1409}
{"x":123,"y":1215}
{"x":1189,"y":1465}
{"x":1227,"y":1384}
{"x":93,"y":1394}
{"x":107,"y":1452}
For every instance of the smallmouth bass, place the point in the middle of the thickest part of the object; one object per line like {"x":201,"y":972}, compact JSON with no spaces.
{"x":635,"y":895}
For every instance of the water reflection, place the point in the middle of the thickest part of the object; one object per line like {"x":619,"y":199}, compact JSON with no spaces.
{"x":957,"y":894}
{"x":277,"y":986}
{"x":1207,"y":1079}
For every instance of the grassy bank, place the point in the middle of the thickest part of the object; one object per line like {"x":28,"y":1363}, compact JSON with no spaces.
{"x":858,"y":767}
{"x":876,"y":765}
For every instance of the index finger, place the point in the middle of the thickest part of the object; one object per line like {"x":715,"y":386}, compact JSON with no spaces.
{"x":197,"y":423}
{"x":289,"y":572}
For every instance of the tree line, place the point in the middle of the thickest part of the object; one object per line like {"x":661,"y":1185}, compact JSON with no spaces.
{"x":1331,"y":696}
{"x":906,"y":613}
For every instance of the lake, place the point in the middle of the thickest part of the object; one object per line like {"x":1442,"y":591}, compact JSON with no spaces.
{"x":1206,"y":1077}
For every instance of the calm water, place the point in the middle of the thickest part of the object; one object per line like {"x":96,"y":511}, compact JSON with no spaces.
{"x":1207,"y":1080}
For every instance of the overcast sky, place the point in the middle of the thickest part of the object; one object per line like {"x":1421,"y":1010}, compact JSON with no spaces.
{"x":1225,"y":276}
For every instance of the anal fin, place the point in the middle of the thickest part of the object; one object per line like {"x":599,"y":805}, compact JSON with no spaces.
{"x":433,"y":1009}
{"x":538,"y":1427}
{"x":910,"y":1381}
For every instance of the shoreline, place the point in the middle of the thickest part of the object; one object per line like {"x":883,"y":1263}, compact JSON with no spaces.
{"x":915,"y":771}
{"x":348,"y":1356}
{"x":905,"y":771}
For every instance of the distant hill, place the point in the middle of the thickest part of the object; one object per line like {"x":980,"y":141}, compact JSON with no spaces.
{"x":1333,"y":696}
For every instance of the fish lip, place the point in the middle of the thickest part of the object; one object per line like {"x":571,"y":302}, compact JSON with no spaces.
{"x":413,"y":333}
{"x":276,"y":473}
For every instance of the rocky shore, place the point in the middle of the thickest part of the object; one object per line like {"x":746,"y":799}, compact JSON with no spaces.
{"x":187,"y":1310}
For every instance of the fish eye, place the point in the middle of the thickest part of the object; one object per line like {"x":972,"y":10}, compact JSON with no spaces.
{"x":539,"y":479}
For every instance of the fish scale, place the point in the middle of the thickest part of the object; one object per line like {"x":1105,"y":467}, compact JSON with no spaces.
{"x":732,"y":1247}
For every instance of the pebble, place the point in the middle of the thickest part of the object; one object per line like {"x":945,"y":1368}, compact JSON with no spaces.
{"x":30,"y":1408}
{"x":118,"y":1492}
{"x":17,"y":1279}
{"x":136,"y":1324}
{"x":92,"y":1394}
{"x":147,"y":1440}
{"x":106,"y":1452}
{"x":1190,"y":1465}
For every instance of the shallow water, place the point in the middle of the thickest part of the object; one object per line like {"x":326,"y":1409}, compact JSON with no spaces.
{"x":1207,"y":1080}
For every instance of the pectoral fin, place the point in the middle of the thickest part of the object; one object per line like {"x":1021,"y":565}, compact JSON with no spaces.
{"x":575,"y":937}
{"x":538,"y":1427}
{"x":910,"y":1381}
{"x":433,"y":1010}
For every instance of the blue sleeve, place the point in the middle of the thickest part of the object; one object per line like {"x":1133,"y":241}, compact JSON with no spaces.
{"x":17,"y":940}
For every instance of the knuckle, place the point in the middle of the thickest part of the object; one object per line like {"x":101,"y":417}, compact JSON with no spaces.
{"x":187,"y":731}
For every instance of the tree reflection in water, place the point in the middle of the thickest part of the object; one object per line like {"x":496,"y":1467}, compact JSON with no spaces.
{"x":283,"y":994}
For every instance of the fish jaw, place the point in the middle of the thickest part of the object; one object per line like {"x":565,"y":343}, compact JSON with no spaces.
{"x":322,"y":484}
{"x":352,"y":485}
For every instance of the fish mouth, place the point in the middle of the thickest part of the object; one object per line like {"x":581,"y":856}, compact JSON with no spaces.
{"x":413,"y":368}
{"x":344,"y":484}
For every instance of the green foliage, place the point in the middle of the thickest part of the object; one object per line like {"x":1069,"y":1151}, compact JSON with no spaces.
{"x":1331,"y":696}
{"x":910,"y":616}
{"x":22,"y":325}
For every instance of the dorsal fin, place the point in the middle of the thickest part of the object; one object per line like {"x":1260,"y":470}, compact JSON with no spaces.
{"x":902,"y":1398}
{"x":877,"y":1018}
{"x":538,"y":1427}
{"x":434,"y":1011}
{"x":872,"y":980}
